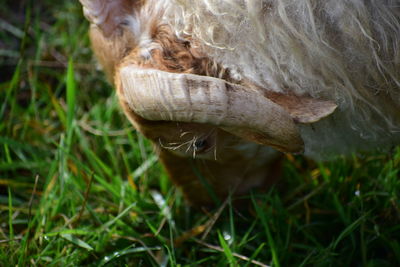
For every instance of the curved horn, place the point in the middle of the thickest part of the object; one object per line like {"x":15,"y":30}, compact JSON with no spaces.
{"x":159,"y":95}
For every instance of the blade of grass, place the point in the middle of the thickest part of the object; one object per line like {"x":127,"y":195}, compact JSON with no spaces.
{"x":264,"y":221}
{"x":11,"y":29}
{"x":163,"y":206}
{"x":256,"y":252}
{"x":231,"y":221}
{"x":71,"y":101}
{"x":10,"y":216}
{"x":7,"y":152}
{"x":171,"y":256}
{"x":56,"y":105}
{"x":217,"y":248}
{"x":349,"y":229}
{"x":119,"y":216}
{"x":69,"y":232}
{"x":77,"y":241}
{"x":129,"y":250}
{"x":227,"y":250}
{"x":12,"y":86}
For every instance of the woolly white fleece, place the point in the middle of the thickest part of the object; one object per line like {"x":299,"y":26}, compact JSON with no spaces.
{"x":347,"y":51}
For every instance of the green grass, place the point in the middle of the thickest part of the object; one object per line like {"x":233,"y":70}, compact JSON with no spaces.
{"x":102,"y":199}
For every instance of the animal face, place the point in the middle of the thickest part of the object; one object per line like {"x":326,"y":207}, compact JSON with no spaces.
{"x":210,"y":128}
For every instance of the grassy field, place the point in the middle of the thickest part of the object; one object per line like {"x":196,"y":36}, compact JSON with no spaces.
{"x":79,"y":187}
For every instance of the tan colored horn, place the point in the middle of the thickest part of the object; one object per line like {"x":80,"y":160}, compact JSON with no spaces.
{"x":159,"y":95}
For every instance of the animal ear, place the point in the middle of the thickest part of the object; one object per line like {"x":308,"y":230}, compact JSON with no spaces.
{"x":303,"y":109}
{"x":106,"y":14}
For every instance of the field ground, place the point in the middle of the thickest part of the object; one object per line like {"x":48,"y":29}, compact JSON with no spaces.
{"x":79,"y":187}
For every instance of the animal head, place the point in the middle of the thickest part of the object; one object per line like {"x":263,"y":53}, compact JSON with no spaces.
{"x":208,"y":125}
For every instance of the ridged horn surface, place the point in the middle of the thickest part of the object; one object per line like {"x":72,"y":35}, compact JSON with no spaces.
{"x":158,"y":95}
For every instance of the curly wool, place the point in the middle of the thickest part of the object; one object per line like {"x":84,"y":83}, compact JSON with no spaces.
{"x":347,"y":51}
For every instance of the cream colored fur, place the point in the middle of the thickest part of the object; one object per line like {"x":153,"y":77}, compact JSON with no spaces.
{"x":347,"y":51}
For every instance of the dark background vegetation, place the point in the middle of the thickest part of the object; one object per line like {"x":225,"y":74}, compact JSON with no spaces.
{"x":78,"y":185}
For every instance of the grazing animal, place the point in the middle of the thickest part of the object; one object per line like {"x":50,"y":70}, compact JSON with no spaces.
{"x":220,"y":85}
